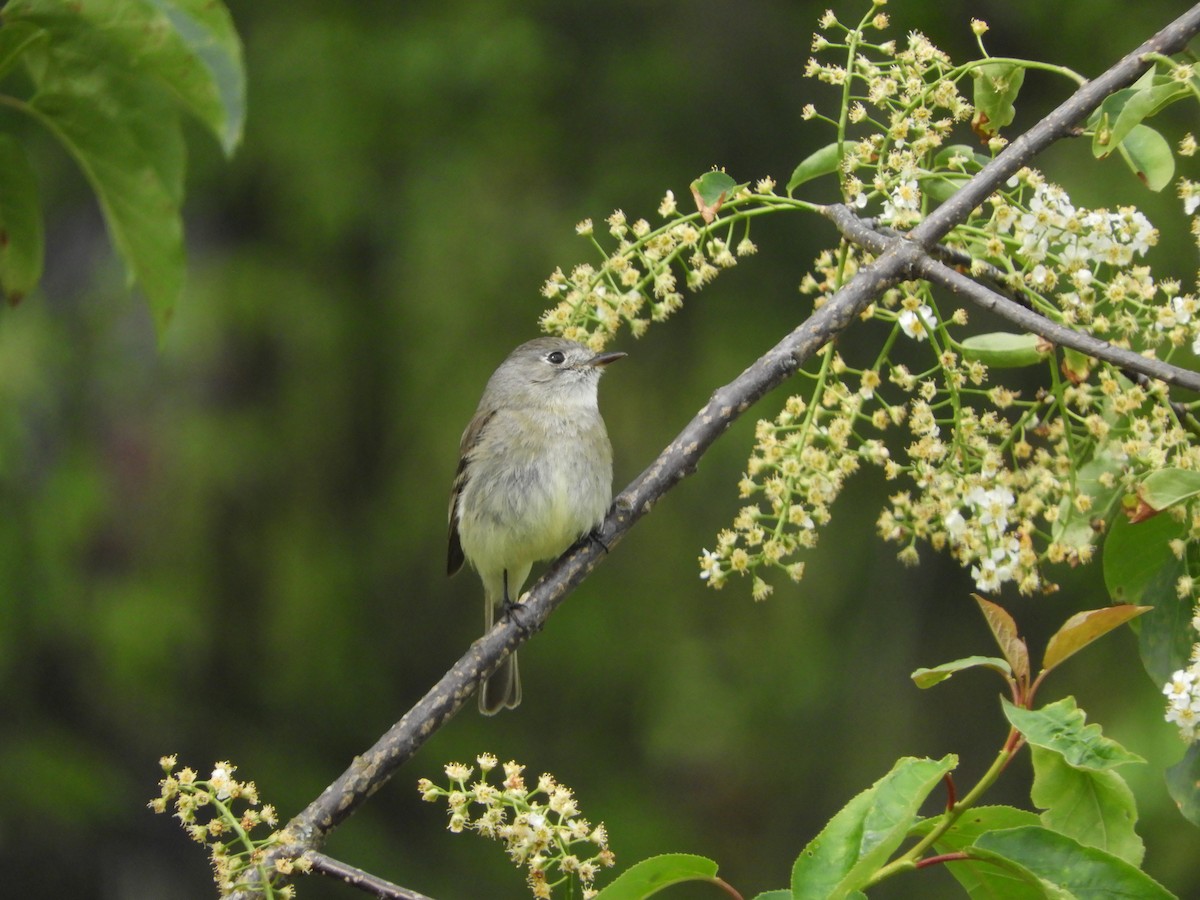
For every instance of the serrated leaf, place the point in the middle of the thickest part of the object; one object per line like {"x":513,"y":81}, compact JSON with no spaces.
{"x":1149,"y":155}
{"x":1183,"y":783}
{"x":1096,"y":808}
{"x":140,"y":210}
{"x":1140,"y":568}
{"x":1004,"y":629}
{"x":866,"y":831}
{"x":21,"y":237}
{"x":926,"y":678}
{"x":1005,"y":350}
{"x":648,"y":877}
{"x":710,"y":191}
{"x":1086,"y":872}
{"x":781,"y":894}
{"x":190,"y":47}
{"x":996,"y":87}
{"x":1083,"y":628}
{"x":818,"y":163}
{"x":1166,"y":487}
{"x":1061,"y":727}
{"x":985,"y":880}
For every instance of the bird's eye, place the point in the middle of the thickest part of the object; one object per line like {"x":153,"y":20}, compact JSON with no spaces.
{"x":555,"y":357}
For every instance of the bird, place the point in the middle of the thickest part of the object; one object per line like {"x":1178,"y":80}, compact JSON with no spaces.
{"x":534,"y":476}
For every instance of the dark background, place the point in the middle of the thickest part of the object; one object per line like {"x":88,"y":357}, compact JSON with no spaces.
{"x":231,"y":545}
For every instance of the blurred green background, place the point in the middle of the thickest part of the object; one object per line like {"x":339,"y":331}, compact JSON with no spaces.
{"x":232,"y":545}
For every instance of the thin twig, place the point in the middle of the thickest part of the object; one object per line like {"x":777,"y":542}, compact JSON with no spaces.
{"x":370,"y":771}
{"x":923,"y":266}
{"x":357,"y":878}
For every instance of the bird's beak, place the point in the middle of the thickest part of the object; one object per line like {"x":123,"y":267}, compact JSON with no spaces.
{"x":600,"y":360}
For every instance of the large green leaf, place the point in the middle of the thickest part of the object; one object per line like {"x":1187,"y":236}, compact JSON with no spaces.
{"x":1140,"y":568}
{"x":1061,"y":726}
{"x":21,"y":239}
{"x":985,"y":880}
{"x":1149,"y":155}
{"x":142,"y":212}
{"x":189,"y":47}
{"x":652,"y":875}
{"x":1085,"y":872}
{"x":1095,"y":807}
{"x":866,"y":831}
{"x":1183,"y":783}
{"x":1123,"y":110}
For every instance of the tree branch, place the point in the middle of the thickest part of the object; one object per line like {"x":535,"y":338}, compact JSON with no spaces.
{"x":370,"y":771}
{"x":924,"y":266}
{"x":357,"y":878}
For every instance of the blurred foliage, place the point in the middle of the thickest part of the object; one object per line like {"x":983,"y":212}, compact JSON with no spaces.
{"x":232,"y":546}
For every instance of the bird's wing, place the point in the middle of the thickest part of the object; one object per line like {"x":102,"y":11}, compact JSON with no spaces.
{"x":454,"y":556}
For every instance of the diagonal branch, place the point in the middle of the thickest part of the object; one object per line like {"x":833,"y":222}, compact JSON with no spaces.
{"x":924,"y":266}
{"x":370,"y":771}
{"x":357,"y":878}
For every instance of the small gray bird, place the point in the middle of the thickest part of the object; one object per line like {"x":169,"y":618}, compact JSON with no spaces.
{"x":534,"y":476}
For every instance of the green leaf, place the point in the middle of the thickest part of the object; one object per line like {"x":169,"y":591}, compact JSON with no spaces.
{"x":866,"y":831}
{"x":947,"y":178}
{"x":1183,"y":783}
{"x":652,"y":875}
{"x":15,"y":39}
{"x":141,"y":211}
{"x":1149,"y":155}
{"x":1060,"y":726}
{"x":1096,"y":808}
{"x":996,"y":87}
{"x":1004,"y":629}
{"x":1004,"y":350}
{"x":1123,"y":110}
{"x":1083,"y":628}
{"x":985,"y":880}
{"x":781,"y":894}
{"x":1140,"y":568}
{"x":21,"y":238}
{"x":926,"y":678}
{"x":710,"y":191}
{"x":1086,"y":872}
{"x":1098,"y":479}
{"x":816,"y":164}
{"x":1166,"y":487}
{"x":189,"y":47}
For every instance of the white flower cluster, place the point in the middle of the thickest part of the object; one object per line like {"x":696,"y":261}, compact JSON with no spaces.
{"x":1183,"y":701}
{"x":1081,"y":238}
{"x":985,"y":527}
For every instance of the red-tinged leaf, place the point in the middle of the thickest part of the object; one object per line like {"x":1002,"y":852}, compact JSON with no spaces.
{"x":1083,"y":628}
{"x":1005,"y":631}
{"x":1136,"y":509}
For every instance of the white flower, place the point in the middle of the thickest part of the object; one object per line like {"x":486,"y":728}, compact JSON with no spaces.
{"x":955,"y":524}
{"x":1178,"y":690}
{"x":913,"y":323}
{"x":221,"y":779}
